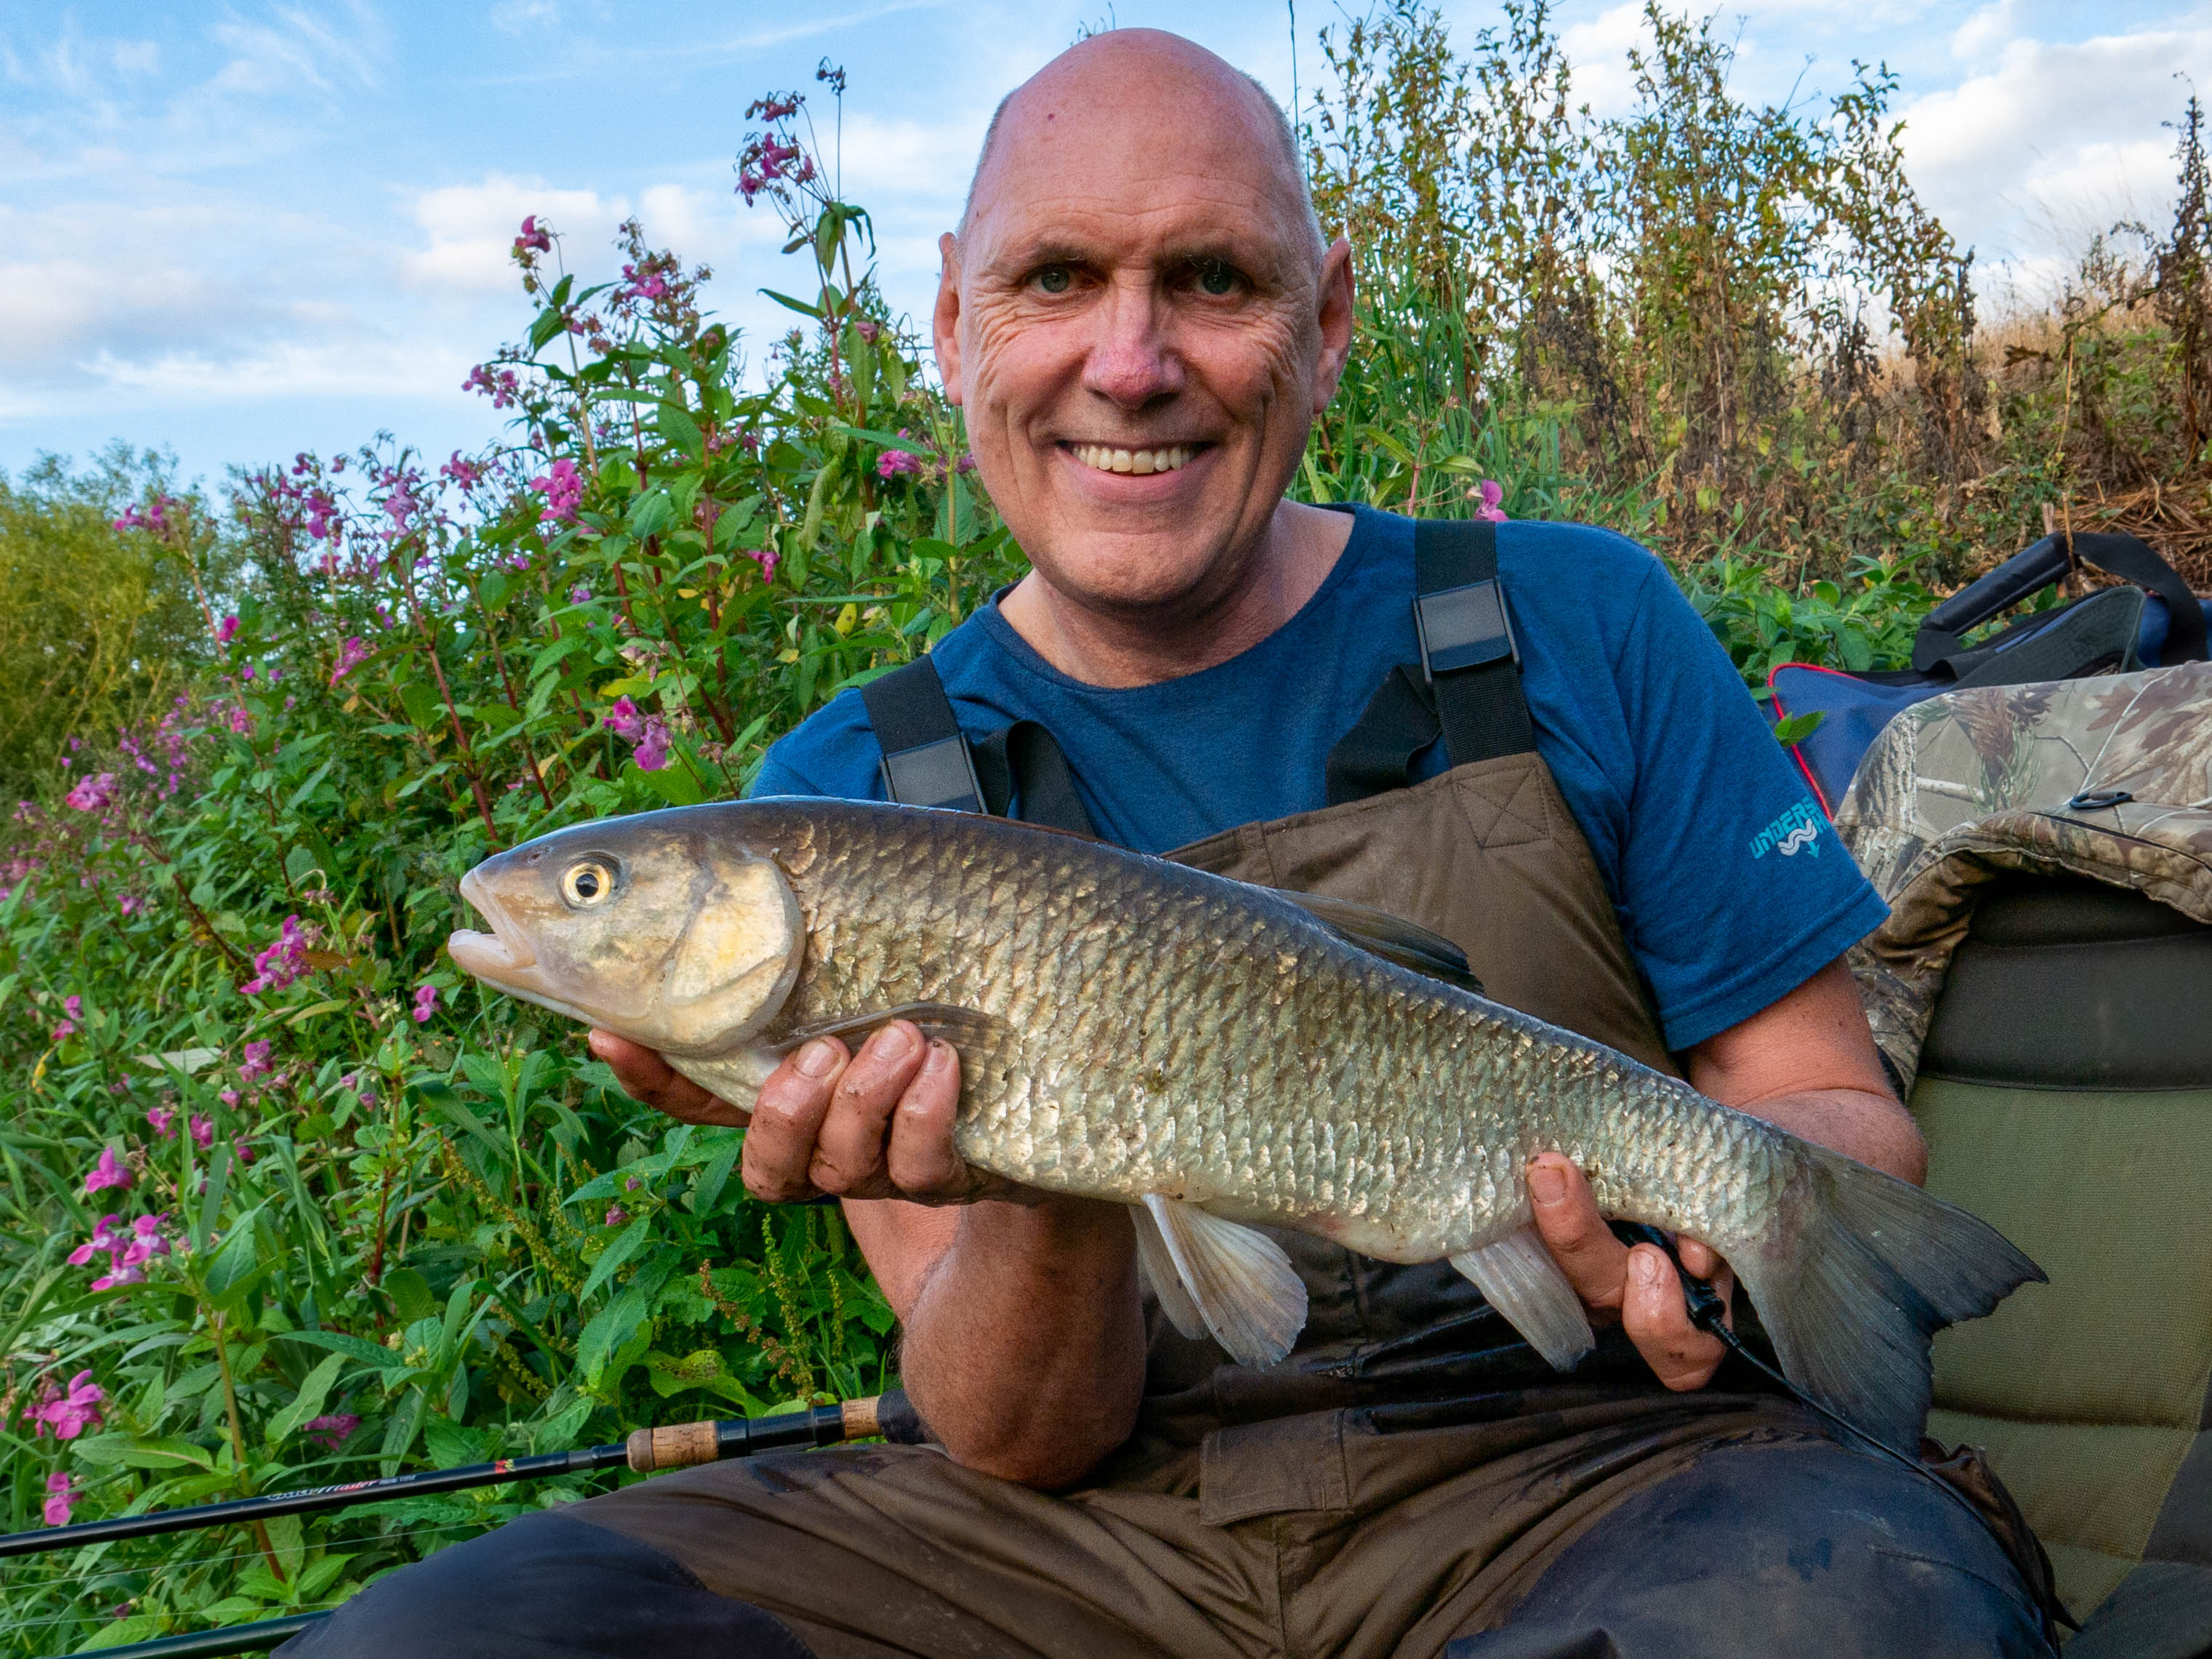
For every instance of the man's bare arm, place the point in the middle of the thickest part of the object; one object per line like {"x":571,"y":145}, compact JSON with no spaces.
{"x":1024,"y":1346}
{"x":1807,"y":1063}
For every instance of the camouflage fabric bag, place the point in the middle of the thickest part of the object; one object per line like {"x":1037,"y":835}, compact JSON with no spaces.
{"x":2108,"y":778}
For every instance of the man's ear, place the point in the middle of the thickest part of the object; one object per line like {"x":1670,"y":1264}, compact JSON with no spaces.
{"x":1336,"y":297}
{"x":945,"y":321}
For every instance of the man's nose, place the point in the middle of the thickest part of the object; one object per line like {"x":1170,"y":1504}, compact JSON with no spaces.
{"x":1133,"y":360}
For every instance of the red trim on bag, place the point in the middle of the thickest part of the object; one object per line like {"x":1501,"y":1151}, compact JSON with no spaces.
{"x":1795,"y":753}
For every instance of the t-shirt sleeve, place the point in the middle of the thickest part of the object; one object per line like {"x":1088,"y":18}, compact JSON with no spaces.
{"x":1734,"y":887}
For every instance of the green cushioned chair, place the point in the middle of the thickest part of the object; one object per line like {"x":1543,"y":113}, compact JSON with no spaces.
{"x":2066,"y":1090}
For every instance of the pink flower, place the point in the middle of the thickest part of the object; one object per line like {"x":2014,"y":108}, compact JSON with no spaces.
{"x":562,"y":486}
{"x":256,"y":1063}
{"x":281,"y":962}
{"x":332,"y":1430}
{"x":426,"y":1001}
{"x":94,"y":794}
{"x":467,"y":474}
{"x":164,"y":1120}
{"x":652,"y":752}
{"x":226,"y":630}
{"x":103,"y":1238}
{"x":898,"y":463}
{"x":72,"y":1010}
{"x":499,"y":385}
{"x":202,"y":1130}
{"x":624,"y":721}
{"x":616,"y":1215}
{"x":1490,"y":493}
{"x":68,"y":1415}
{"x":229,"y":1097}
{"x":61,"y":1493}
{"x":106,"y":1173}
{"x":534,"y":238}
{"x":352,"y":652}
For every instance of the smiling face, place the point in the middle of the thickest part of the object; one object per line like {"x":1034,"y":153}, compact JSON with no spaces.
{"x":1140,"y":324}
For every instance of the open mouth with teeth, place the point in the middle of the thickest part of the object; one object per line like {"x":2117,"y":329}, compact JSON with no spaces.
{"x":1139,"y":463}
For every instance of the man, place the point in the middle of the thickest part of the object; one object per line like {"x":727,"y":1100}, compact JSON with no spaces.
{"x":1141,"y":322}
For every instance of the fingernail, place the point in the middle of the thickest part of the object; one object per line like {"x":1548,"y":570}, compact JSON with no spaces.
{"x":1547,"y":1185}
{"x":893,"y":1042}
{"x":939,"y":1056}
{"x":818,"y":1058}
{"x":1646,"y":1266}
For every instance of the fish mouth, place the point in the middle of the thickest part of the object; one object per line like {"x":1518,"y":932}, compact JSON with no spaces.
{"x":503,"y":955}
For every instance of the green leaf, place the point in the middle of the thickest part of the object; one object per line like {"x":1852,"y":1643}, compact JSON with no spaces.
{"x":713,"y":1177}
{"x":308,"y":1402}
{"x":626,"y":1244}
{"x":1797,"y":727}
{"x":354,"y":1347}
{"x":678,"y":427}
{"x":799,"y":306}
{"x":412,"y":1296}
{"x":651,"y":513}
{"x":166,"y":1452}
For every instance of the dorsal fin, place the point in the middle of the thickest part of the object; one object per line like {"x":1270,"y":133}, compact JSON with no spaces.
{"x":1389,"y":937}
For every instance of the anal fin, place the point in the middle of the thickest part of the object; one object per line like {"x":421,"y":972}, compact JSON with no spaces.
{"x":1524,"y":1284}
{"x":1158,"y":1265}
{"x":1236,"y":1279}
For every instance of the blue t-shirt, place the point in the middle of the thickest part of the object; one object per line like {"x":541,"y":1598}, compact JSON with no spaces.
{"x":1731,"y":887}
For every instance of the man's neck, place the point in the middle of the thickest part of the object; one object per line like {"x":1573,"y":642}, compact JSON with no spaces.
{"x":1129,"y":648}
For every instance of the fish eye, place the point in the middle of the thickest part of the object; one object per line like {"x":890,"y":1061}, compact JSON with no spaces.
{"x":587,"y":882}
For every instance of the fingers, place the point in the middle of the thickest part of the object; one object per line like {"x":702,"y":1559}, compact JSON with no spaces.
{"x":1594,"y":1260}
{"x":1657,"y":1317}
{"x":647,"y":1078}
{"x":878,"y":1125}
{"x":787,"y":1116}
{"x":1640,"y":1285}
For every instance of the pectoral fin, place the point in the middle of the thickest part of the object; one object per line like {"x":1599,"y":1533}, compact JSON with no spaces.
{"x":1158,"y":1267}
{"x":1237,"y":1279}
{"x":955,"y":1025}
{"x":1524,"y":1284}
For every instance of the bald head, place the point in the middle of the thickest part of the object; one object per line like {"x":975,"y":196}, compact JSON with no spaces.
{"x":1136,"y":75}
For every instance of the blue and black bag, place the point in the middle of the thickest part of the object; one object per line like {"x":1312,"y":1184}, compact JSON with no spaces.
{"x":2154,"y":621}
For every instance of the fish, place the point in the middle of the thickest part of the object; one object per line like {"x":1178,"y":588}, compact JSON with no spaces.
{"x":1221,"y":1057}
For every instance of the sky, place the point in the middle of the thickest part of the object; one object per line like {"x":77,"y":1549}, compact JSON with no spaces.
{"x":240,"y":230}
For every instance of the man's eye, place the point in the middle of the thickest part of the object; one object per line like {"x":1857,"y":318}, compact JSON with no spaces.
{"x":1055,"y":279}
{"x":1216,"y":277}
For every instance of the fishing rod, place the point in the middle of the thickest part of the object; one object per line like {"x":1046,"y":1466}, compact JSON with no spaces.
{"x":647,"y":1451}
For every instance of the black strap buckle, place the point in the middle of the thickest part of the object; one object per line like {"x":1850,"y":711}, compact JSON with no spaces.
{"x":1464,"y":628}
{"x":940,"y":774}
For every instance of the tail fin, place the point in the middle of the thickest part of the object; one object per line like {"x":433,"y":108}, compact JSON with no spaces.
{"x":1864,"y":1274}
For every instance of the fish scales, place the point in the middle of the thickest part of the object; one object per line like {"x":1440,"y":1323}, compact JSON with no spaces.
{"x":1320,"y":1044}
{"x":1212,"y":1055}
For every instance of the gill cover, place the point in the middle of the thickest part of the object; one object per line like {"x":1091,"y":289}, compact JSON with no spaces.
{"x":736,"y":961}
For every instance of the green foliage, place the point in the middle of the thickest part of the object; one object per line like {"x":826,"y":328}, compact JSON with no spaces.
{"x":96,"y":626}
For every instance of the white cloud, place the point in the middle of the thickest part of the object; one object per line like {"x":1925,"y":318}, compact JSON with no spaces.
{"x":472,"y":229}
{"x":1981,"y":35}
{"x":2057,"y":136}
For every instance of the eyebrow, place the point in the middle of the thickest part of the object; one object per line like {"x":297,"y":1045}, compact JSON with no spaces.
{"x":1062,"y":251}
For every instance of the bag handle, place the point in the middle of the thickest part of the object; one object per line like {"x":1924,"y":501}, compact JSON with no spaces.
{"x":2038,"y":566}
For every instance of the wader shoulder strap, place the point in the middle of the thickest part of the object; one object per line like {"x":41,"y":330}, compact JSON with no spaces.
{"x":1467,"y":687}
{"x":928,"y":762}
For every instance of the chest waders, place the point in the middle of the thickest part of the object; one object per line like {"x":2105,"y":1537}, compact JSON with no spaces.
{"x":1413,"y":1481}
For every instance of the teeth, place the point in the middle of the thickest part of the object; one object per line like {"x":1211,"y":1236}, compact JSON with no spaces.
{"x":1140,"y":462}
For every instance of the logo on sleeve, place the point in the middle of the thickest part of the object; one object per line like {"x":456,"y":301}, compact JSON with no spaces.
{"x":1797,"y":831}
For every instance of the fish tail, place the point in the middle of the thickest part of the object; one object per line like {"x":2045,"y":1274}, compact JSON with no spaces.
{"x":1854,"y":1287}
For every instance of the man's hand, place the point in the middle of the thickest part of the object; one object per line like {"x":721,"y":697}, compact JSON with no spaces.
{"x":1806,"y":1062}
{"x":1637,"y":1286}
{"x":878,"y":1124}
